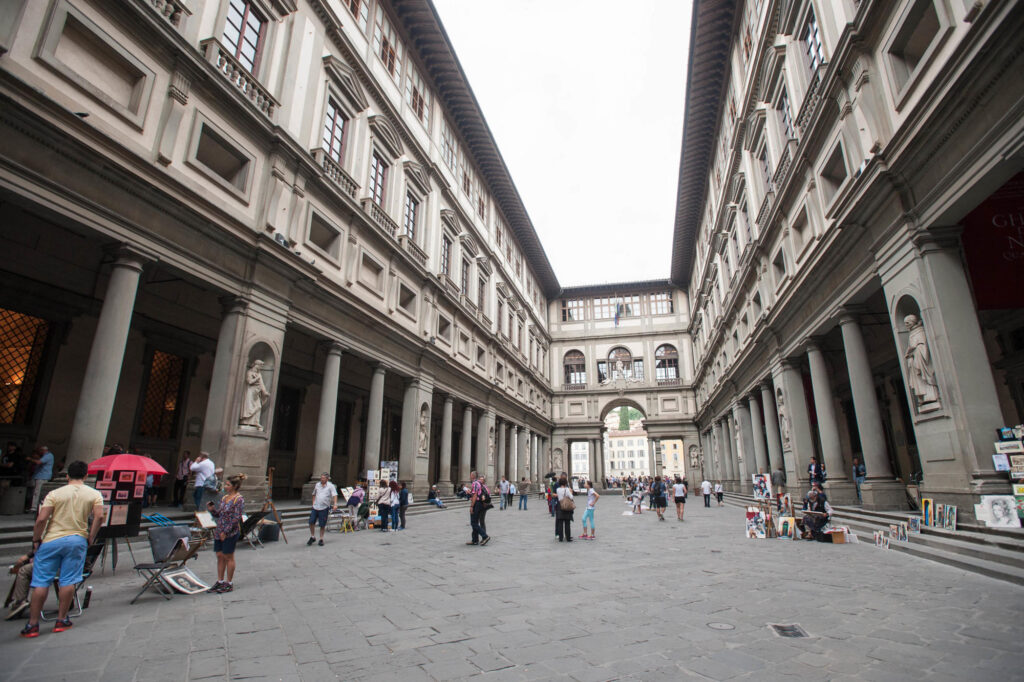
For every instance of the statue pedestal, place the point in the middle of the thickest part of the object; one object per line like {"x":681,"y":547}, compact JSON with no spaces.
{"x":841,"y":492}
{"x":883,"y":495}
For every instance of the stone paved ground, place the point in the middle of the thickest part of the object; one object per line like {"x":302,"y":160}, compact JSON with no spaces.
{"x":636,"y":604}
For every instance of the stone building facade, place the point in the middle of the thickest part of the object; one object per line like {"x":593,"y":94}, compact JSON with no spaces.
{"x":849,"y":231}
{"x":276,"y":230}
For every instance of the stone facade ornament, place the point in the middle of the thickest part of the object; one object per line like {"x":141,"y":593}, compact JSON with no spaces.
{"x":783,"y":419}
{"x":256,"y":396}
{"x":920,"y":373}
{"x":424,"y":438}
{"x":490,"y":446}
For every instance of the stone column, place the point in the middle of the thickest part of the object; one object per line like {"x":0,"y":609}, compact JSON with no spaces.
{"x":599,"y":480}
{"x":502,"y":435}
{"x":485,"y":445}
{"x":748,"y":465}
{"x":534,"y":458}
{"x":409,"y":432}
{"x":880,"y":491}
{"x":840,"y":489}
{"x":217,"y":400}
{"x":591,"y":458}
{"x":757,"y":435}
{"x":728,"y":456}
{"x":323,"y":448}
{"x":103,"y":368}
{"x":466,"y":450}
{"x":718,"y":471}
{"x":771,"y":427}
{"x":800,"y":449}
{"x":352,"y":467}
{"x":522,"y":464}
{"x":374,"y":419}
{"x":444,"y":464}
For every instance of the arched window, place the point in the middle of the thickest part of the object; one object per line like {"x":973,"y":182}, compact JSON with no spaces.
{"x":620,"y":361}
{"x":666,"y":363}
{"x":575,"y":368}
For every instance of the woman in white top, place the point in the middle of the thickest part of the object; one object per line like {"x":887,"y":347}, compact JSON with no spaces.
{"x":719,"y":492}
{"x":588,"y":514}
{"x":563,"y":517}
{"x":679,"y":493}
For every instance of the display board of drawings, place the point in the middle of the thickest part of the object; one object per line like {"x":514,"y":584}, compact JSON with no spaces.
{"x":1006,"y":511}
{"x":376,"y":481}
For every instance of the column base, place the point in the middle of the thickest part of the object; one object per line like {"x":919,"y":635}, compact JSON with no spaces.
{"x":879,"y":495}
{"x":841,"y":492}
{"x":307,"y":491}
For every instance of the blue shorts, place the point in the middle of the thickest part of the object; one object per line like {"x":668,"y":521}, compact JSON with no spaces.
{"x":318,"y":516}
{"x":225,"y":546}
{"x":64,"y":557}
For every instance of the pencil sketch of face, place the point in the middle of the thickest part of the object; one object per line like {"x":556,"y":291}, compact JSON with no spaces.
{"x":1000,"y":510}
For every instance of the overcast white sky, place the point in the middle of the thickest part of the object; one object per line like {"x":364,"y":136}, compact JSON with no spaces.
{"x":585,"y":100}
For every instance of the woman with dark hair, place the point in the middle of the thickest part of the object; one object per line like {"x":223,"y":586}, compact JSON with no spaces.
{"x":659,"y":495}
{"x":228,"y":513}
{"x":564,"y":507}
{"x":384,"y":507}
{"x":396,"y":496}
{"x":403,"y":502}
{"x":679,"y":493}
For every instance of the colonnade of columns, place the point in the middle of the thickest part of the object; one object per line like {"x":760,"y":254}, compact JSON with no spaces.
{"x":770,"y":428}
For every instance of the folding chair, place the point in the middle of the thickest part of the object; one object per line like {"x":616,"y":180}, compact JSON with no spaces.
{"x":91,"y":555}
{"x":250,"y":528}
{"x":174,"y":546}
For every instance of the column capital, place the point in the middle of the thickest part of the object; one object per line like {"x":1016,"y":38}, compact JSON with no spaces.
{"x":380,"y":367}
{"x":936,"y":237}
{"x":129,"y":255}
{"x":812,"y":343}
{"x":448,"y":400}
{"x":233,"y":304}
{"x":849,"y":314}
{"x":332,"y":347}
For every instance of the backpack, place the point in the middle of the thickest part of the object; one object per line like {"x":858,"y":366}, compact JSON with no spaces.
{"x":485,"y":497}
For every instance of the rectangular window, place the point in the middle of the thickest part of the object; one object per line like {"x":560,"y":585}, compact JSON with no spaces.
{"x":661,"y":303}
{"x":602,"y":371}
{"x":572,"y":309}
{"x":417,"y":96}
{"x":766,"y":168}
{"x":638,"y":369}
{"x":378,"y":176}
{"x":334,"y":130}
{"x":500,"y":316}
{"x":409,"y":216}
{"x":812,"y":42}
{"x":481,"y":207}
{"x":629,"y":306}
{"x":465,"y":277}
{"x":387,"y":45}
{"x":243,"y":33}
{"x":22,"y":342}
{"x":519,"y":265}
{"x":786,"y":116}
{"x":481,"y":293}
{"x":360,"y":9}
{"x":604,"y":308}
{"x":449,"y":148}
{"x":162,"y":402}
{"x":446,"y":256}
{"x":497,"y":235}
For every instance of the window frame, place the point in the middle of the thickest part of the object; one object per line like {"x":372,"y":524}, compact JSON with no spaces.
{"x":378,"y":178}
{"x":342,"y":139}
{"x":390,"y":40}
{"x":409,"y":226}
{"x":249,"y":9}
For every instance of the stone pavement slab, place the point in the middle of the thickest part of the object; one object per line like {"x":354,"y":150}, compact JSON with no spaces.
{"x":637,"y":604}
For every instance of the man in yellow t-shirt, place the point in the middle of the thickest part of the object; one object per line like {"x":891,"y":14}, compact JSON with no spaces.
{"x":64,"y":516}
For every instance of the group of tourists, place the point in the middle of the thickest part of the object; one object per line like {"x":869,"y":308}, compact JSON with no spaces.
{"x":508,"y":491}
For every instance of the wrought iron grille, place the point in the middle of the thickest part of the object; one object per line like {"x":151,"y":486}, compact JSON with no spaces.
{"x":163,"y":395}
{"x":22,"y":342}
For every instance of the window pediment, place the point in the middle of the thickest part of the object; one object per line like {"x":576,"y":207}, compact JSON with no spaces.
{"x":344,"y":76}
{"x":417,"y":176}
{"x":385,"y":132}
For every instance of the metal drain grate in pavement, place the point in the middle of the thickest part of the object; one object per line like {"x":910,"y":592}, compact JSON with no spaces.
{"x":793,"y":630}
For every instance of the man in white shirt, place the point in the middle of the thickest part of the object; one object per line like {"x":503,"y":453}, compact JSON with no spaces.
{"x":504,"y":488}
{"x":705,"y":490}
{"x":325,"y":499}
{"x":203,"y":468}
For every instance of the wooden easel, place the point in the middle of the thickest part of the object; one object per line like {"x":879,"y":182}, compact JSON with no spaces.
{"x":269,"y":502}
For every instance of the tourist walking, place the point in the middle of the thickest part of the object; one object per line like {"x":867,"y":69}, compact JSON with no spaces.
{"x":181,"y":478}
{"x":384,"y":507}
{"x":860,"y":474}
{"x":503,"y":487}
{"x":705,"y":490}
{"x":325,"y":500}
{"x":679,"y":493}
{"x":229,"y":526}
{"x":658,"y":493}
{"x":564,"y":510}
{"x":403,"y":504}
{"x":479,"y":503}
{"x":719,"y":492}
{"x":524,"y":492}
{"x":638,"y":499}
{"x":588,"y":513}
{"x":204,"y":470}
{"x":60,"y":538}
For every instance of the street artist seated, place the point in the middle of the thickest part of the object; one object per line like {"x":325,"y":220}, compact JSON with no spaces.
{"x":817,"y":513}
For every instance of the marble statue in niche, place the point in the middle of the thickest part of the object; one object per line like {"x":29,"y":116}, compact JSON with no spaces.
{"x":256,"y":396}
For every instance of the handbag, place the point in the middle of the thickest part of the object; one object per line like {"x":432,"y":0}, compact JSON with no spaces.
{"x":212,"y":484}
{"x":566,"y":503}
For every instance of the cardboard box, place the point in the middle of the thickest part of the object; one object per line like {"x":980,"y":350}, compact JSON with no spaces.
{"x":838,"y":537}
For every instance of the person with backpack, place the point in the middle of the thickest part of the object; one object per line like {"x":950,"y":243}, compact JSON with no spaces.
{"x":479,"y":503}
{"x":563,"y":510}
{"x":659,"y":496}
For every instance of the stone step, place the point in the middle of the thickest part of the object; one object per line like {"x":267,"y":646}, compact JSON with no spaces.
{"x":997,"y":555}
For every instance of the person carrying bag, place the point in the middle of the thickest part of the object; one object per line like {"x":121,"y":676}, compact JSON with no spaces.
{"x":563,"y":513}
